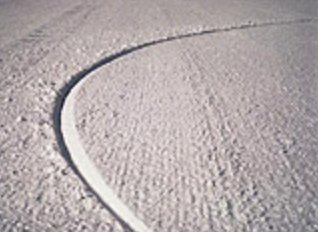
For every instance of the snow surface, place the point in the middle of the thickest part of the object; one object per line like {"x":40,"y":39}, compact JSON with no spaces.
{"x":200,"y":116}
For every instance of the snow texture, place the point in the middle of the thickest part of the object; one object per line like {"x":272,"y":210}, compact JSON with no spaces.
{"x":199,"y":116}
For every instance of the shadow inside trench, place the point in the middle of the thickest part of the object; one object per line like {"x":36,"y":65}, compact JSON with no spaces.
{"x":75,"y":79}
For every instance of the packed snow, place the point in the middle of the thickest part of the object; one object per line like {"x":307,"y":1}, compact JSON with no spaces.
{"x":159,"y":115}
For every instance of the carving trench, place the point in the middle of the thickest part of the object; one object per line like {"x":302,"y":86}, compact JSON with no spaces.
{"x":68,"y":136}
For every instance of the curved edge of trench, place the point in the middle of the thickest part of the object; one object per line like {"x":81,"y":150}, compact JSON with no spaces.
{"x":68,"y":138}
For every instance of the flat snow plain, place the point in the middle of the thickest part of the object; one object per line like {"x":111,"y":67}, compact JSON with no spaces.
{"x":214,"y":129}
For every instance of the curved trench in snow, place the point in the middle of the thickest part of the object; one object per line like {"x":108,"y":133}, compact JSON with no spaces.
{"x":69,"y":140}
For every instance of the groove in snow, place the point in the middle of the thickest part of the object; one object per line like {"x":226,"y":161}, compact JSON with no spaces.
{"x":68,"y":136}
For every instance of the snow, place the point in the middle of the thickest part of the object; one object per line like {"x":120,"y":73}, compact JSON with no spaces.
{"x":198,"y":116}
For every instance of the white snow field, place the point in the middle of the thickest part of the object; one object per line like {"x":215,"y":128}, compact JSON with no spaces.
{"x":171,"y":115}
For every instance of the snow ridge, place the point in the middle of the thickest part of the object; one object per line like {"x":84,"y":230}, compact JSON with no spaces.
{"x":68,"y":137}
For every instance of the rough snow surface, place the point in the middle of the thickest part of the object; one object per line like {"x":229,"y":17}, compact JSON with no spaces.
{"x":215,"y":132}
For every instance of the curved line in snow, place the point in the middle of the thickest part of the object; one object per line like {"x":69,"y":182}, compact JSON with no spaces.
{"x":68,"y":137}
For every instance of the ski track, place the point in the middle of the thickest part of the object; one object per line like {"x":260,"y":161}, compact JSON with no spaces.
{"x":44,"y":37}
{"x":68,"y":137}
